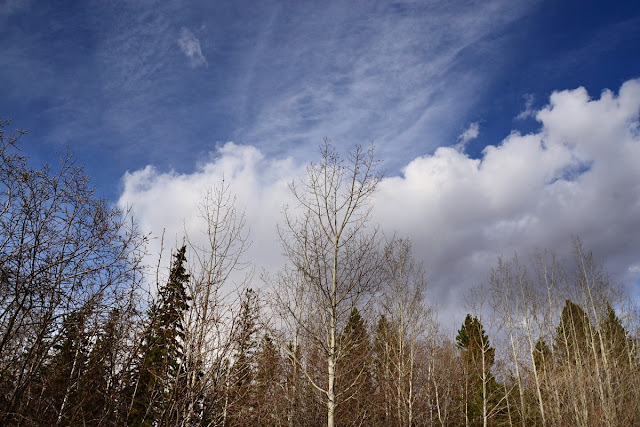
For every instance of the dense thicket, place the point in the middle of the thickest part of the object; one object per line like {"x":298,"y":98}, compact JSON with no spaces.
{"x":344,"y":335}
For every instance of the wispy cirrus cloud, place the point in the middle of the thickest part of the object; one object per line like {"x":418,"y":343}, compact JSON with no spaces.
{"x":10,"y":7}
{"x":528,"y":111}
{"x":399,"y":74}
{"x":190,"y":46}
{"x":400,"y":77}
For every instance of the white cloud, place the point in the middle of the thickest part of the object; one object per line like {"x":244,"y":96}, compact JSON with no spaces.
{"x":391,"y":78}
{"x":168,"y":202}
{"x":528,"y":111}
{"x":578,"y":175}
{"x":190,"y":46}
{"x":469,"y":134}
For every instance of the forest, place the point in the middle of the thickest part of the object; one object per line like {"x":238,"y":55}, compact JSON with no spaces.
{"x":343,"y":334}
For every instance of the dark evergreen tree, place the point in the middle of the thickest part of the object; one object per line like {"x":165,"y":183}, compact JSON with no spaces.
{"x":62,"y":391}
{"x":269,"y":389}
{"x":354,"y":383}
{"x":101,"y":382}
{"x":299,"y":398}
{"x":474,"y":342}
{"x":383,"y":374}
{"x":243,"y":370}
{"x":478,"y":356}
{"x":159,"y":371}
{"x":542,"y":357}
{"x":616,"y":339}
{"x":573,"y":335}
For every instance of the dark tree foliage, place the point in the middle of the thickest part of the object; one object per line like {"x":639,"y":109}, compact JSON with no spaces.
{"x":383,"y":373}
{"x":101,"y":383}
{"x":354,"y":378}
{"x":573,"y":335}
{"x":618,"y":345}
{"x":474,"y":343}
{"x":160,"y":370}
{"x":542,"y":356}
{"x":243,"y":370}
{"x":269,"y":387}
{"x":479,"y":358}
{"x":62,"y":394}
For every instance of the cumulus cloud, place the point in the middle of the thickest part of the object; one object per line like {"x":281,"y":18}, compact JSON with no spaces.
{"x":577,"y":175}
{"x":167,"y":204}
{"x":190,"y":46}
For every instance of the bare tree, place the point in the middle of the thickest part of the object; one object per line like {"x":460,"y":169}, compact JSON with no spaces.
{"x":332,"y":259}
{"x":217,"y":262}
{"x":402,"y":302}
{"x":64,"y":254}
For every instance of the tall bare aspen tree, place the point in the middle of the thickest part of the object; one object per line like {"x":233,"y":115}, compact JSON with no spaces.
{"x":330,"y":254}
{"x":402,"y":303}
{"x":217,"y":257}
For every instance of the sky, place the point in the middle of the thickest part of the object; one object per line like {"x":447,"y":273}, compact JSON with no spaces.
{"x":502,"y":125}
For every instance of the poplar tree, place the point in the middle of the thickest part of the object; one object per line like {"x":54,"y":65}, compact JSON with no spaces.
{"x":333,"y":260}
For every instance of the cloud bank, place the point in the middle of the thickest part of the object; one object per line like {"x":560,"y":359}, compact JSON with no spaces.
{"x":578,"y":174}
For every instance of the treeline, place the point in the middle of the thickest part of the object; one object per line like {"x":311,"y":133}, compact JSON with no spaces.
{"x":344,"y":334}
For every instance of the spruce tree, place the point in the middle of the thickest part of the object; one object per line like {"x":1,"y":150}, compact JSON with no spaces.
{"x":268,"y":384}
{"x":573,"y":335}
{"x":160,"y":366}
{"x":542,"y":355}
{"x":616,"y":339}
{"x":354,"y":384}
{"x":383,"y":373}
{"x":102,"y":381}
{"x":66,"y":371}
{"x":243,"y":370}
{"x":478,"y":358}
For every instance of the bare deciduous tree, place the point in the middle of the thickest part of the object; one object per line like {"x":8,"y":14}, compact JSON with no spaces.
{"x":211,"y":321}
{"x":402,"y":302}
{"x":332,"y":258}
{"x":64,"y":254}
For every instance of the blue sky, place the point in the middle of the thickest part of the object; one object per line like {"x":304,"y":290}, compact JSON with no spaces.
{"x":110,"y":78}
{"x":167,"y":84}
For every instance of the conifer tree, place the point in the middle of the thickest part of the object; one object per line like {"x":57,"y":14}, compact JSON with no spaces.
{"x":478,"y":358}
{"x":268,"y":409}
{"x":160,"y":367}
{"x":67,"y":368}
{"x":542,"y":355}
{"x":243,"y":371}
{"x":616,"y":339}
{"x":100,"y":383}
{"x":383,"y":372}
{"x":354,"y":378}
{"x":573,"y":335}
